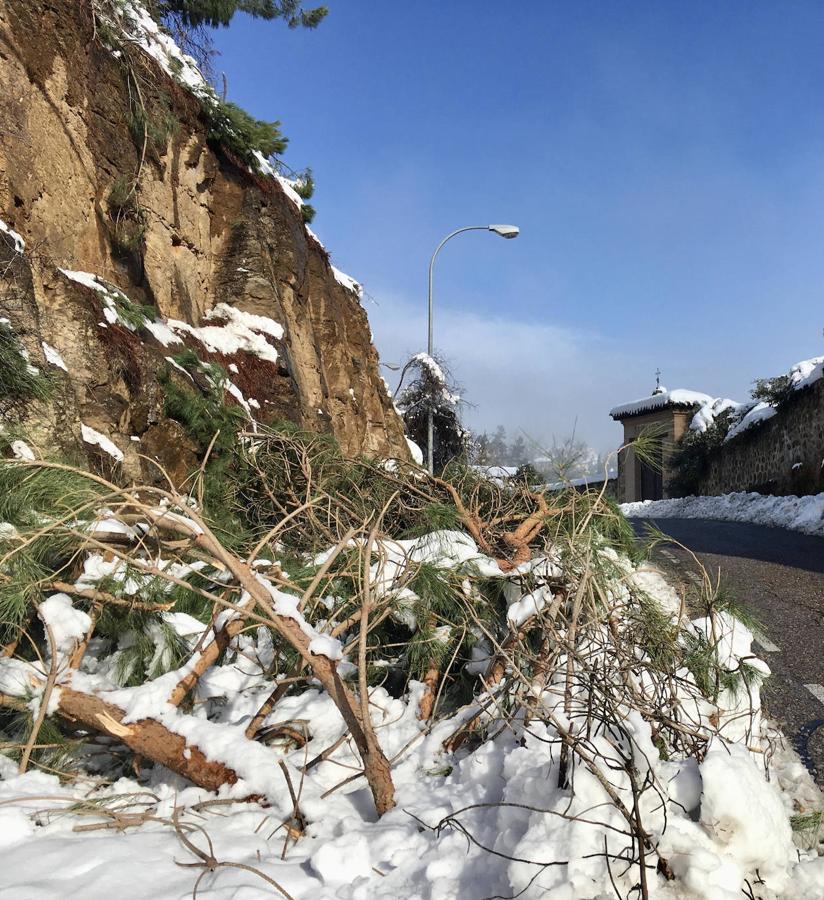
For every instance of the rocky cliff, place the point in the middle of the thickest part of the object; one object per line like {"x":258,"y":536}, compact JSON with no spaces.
{"x":136,"y":250}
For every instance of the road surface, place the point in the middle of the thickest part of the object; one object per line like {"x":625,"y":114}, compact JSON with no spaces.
{"x":779,"y":576}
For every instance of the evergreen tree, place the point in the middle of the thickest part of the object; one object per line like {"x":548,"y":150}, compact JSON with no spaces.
{"x":219,"y":12}
{"x":518,"y":454}
{"x":480,"y":450}
{"x":498,"y":450}
{"x":527,"y":474}
{"x":430,"y":390}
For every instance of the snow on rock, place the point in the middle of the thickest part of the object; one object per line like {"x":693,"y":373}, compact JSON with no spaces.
{"x":347,"y":281}
{"x":678,"y":397}
{"x":53,"y":357}
{"x":164,"y":335}
{"x":109,"y":294}
{"x":242,"y":332}
{"x":90,"y":436}
{"x":139,"y":27}
{"x":796,"y":513}
{"x":21,"y":450}
{"x":17,"y":241}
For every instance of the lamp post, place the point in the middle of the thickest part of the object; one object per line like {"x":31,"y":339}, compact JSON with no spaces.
{"x":504,"y":231}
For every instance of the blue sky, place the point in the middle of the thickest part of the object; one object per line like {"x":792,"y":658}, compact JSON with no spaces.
{"x":665,"y":162}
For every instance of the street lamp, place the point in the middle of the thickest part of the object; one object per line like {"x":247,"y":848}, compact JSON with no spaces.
{"x":504,"y":231}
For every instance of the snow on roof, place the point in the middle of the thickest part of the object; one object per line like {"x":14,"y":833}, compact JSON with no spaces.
{"x":498,"y":474}
{"x":678,"y":397}
{"x":583,"y":481}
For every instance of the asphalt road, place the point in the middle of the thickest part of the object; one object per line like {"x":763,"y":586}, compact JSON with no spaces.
{"x":779,"y":577}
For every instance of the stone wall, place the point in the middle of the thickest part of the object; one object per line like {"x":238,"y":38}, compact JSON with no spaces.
{"x":783,"y":455}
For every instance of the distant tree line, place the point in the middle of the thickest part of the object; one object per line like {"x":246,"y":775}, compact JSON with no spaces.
{"x":496,"y":450}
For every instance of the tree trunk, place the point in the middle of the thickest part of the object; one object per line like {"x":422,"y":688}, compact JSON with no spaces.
{"x":147,"y":737}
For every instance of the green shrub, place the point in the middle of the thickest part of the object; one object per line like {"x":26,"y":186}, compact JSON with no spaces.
{"x":307,"y":212}
{"x":774,"y":391}
{"x":20,"y":382}
{"x":690,"y":458}
{"x":233,"y":128}
{"x":202,"y":414}
{"x":155,"y":127}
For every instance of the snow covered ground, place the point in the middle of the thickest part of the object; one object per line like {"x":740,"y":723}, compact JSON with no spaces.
{"x":796,"y":513}
{"x":486,"y":820}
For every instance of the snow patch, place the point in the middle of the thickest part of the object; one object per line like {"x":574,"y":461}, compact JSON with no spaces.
{"x":347,"y":281}
{"x":53,"y":357}
{"x":90,"y":436}
{"x":19,"y":243}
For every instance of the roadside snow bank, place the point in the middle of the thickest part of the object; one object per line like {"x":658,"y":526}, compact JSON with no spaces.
{"x":804,"y":514}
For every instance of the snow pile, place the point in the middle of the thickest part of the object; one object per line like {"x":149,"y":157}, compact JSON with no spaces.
{"x":717,"y":822}
{"x":804,"y":514}
{"x":585,"y":733}
{"x":660,"y":400}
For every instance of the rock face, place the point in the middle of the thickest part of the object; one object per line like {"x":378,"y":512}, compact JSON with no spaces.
{"x":179,"y":226}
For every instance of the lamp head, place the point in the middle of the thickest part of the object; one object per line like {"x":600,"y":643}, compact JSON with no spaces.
{"x":505,"y":231}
